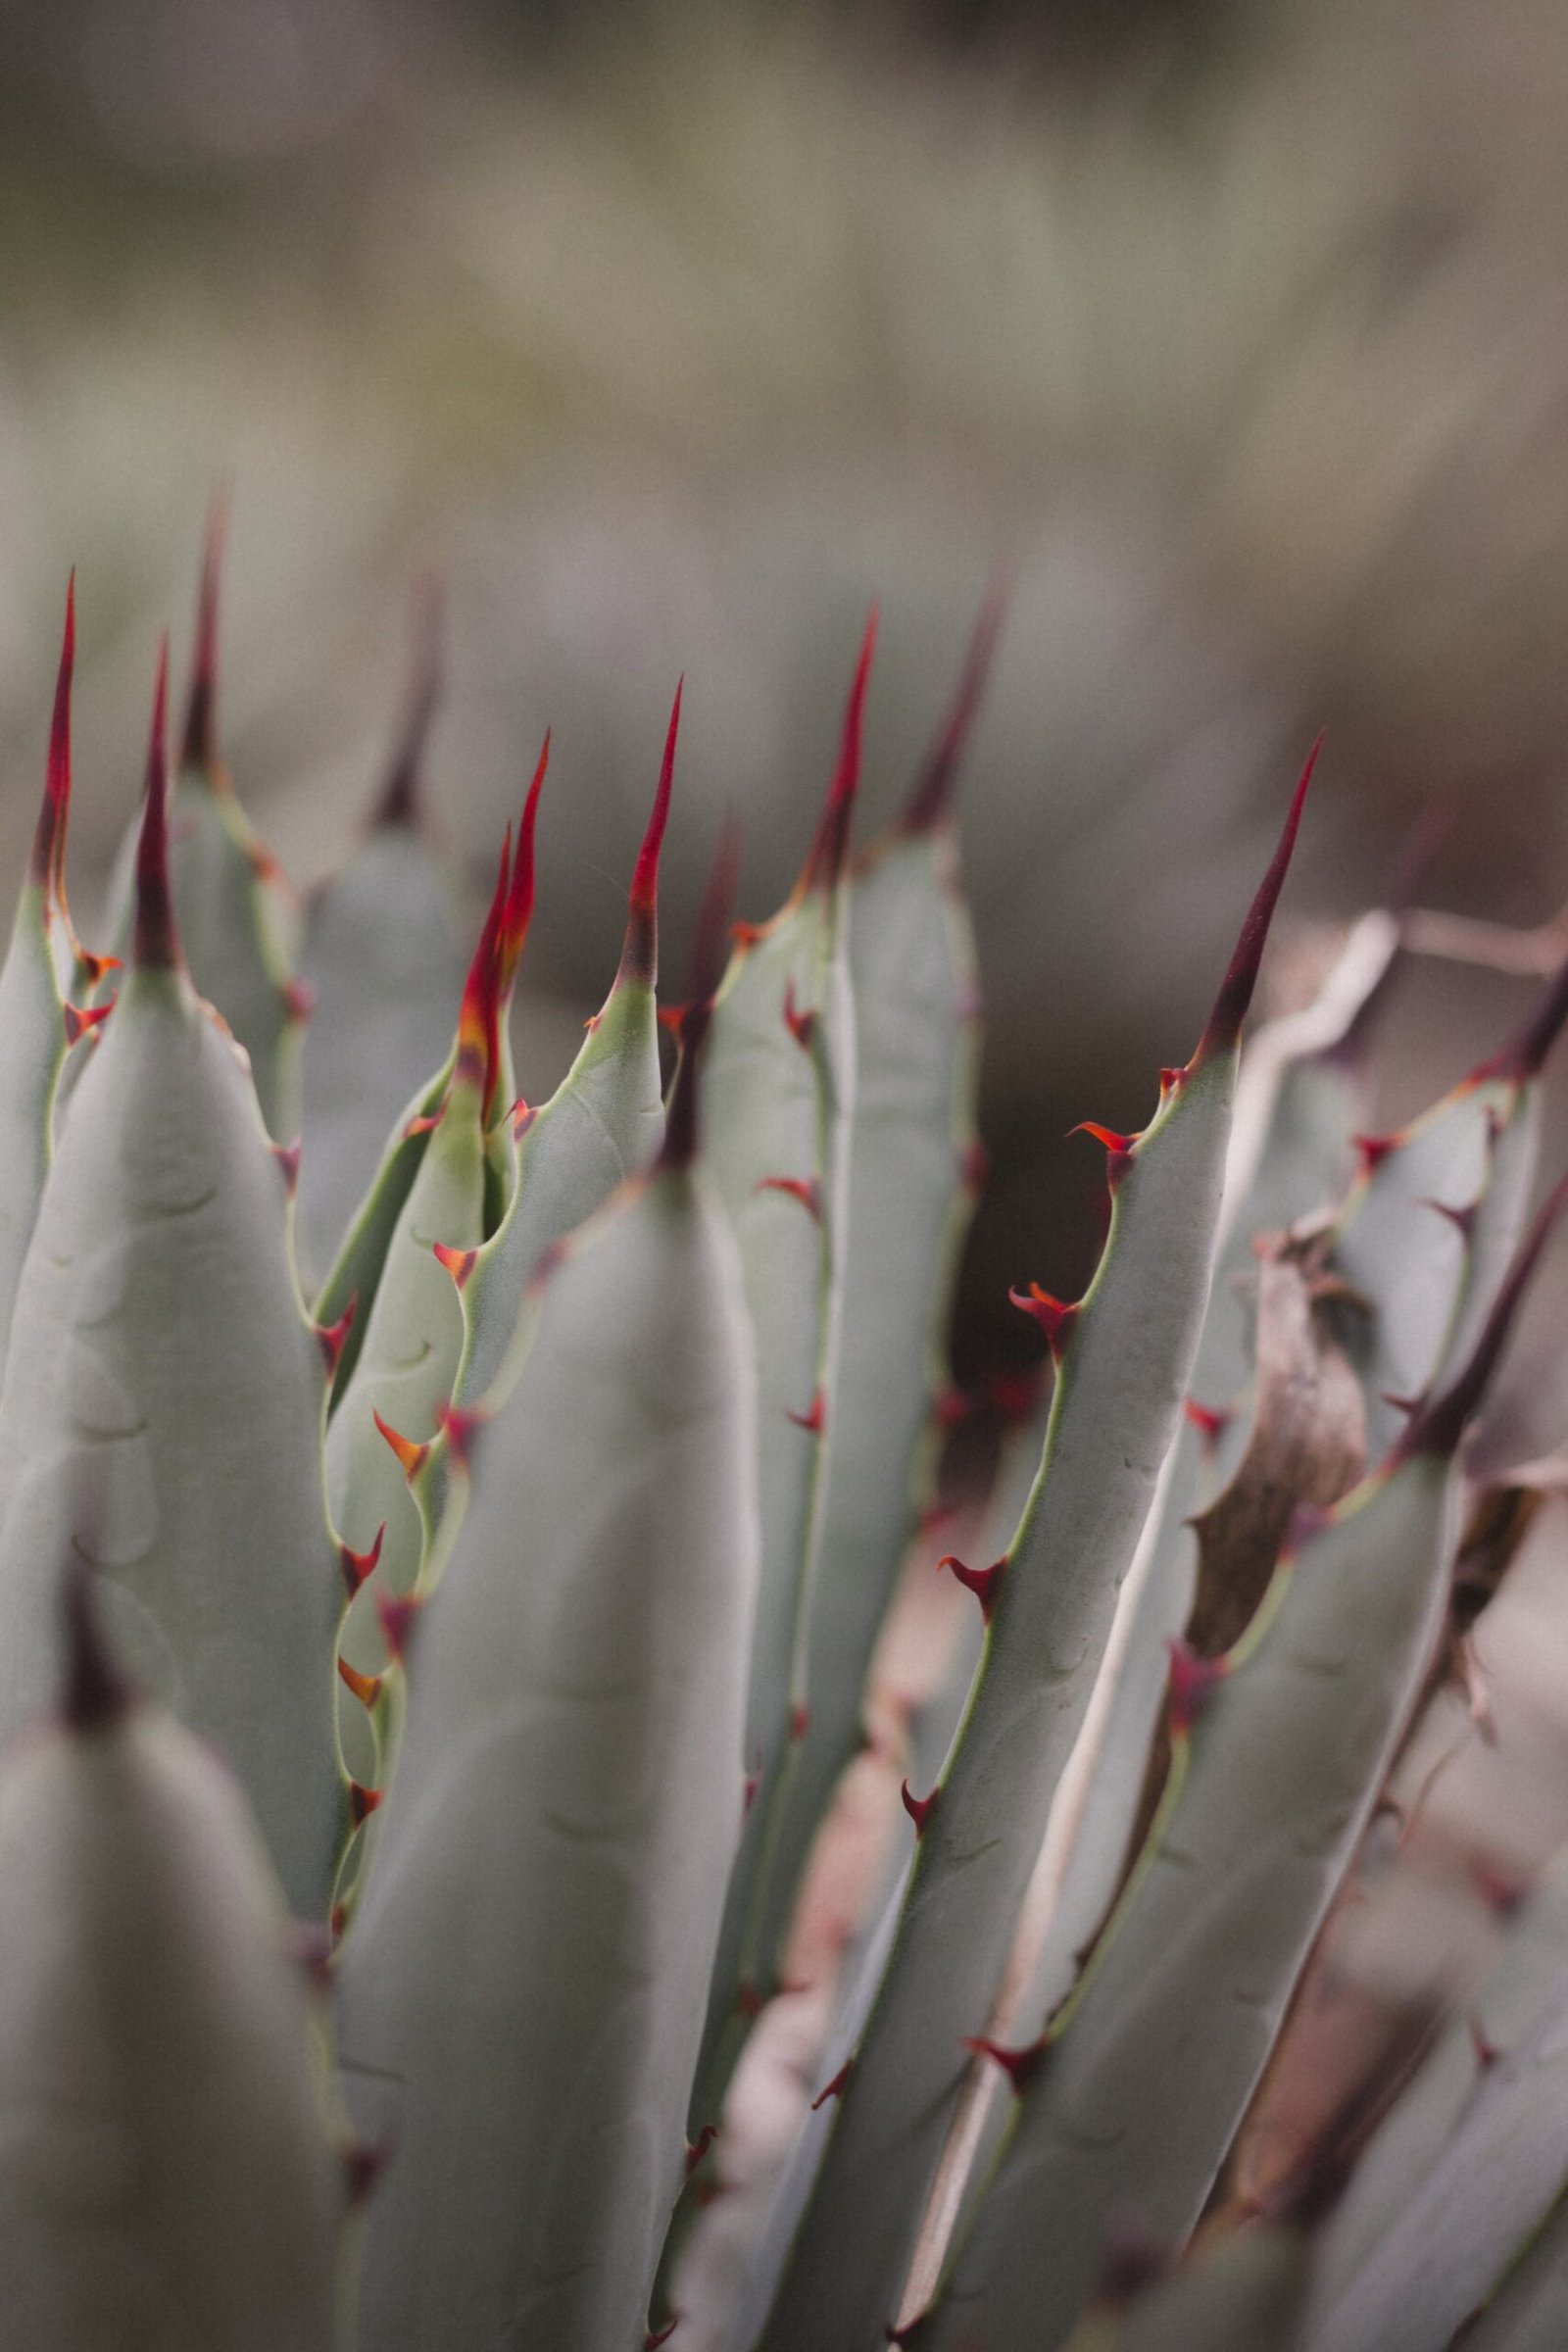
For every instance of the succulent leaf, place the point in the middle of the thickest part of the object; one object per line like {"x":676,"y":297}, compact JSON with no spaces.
{"x":527,"y":1974}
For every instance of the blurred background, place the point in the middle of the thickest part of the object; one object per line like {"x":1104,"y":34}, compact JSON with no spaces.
{"x":674,"y":333}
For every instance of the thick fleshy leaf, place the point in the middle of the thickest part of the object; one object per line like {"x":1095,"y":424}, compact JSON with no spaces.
{"x":166,"y":2183}
{"x":161,"y":1410}
{"x":1124,"y":1362}
{"x":780,"y":1091}
{"x":912,"y":1149}
{"x":1278,"y":1754}
{"x":522,"y":1995}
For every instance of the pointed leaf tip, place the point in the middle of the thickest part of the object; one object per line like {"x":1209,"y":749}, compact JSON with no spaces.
{"x":638,"y":957}
{"x":931,"y":802}
{"x":49,"y":838}
{"x":154,"y":943}
{"x":1223,"y":1029}
{"x":479,"y":1014}
{"x":400,"y":801}
{"x":682,"y":1120}
{"x":830,"y":846}
{"x":1525,"y":1052}
{"x":518,"y":913}
{"x":1436,"y":1427}
{"x":199,"y":741}
{"x":94,"y":1694}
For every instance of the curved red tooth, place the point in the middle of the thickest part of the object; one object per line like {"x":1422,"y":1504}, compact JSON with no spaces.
{"x":80,"y":1020}
{"x":1020,"y":2066}
{"x":367,"y":1688}
{"x":801,"y":1026}
{"x":1112,"y":1138}
{"x":835,"y":2089}
{"x":1463,"y":1220}
{"x":1210,"y":1421}
{"x":411,"y":1455}
{"x":49,"y":838}
{"x":805,"y":1189}
{"x":696,"y":2149}
{"x":398,"y":1614}
{"x":1223,"y":1028}
{"x":363,"y":1803}
{"x":459,"y":1263}
{"x":830,"y":846}
{"x":1054,"y":1317}
{"x":399,"y":802}
{"x":1371,"y":1151}
{"x":329,"y":1337}
{"x":931,"y":802}
{"x":459,"y":1425}
{"x":654,"y":2337}
{"x":1192,"y":1683}
{"x":287,"y":1157}
{"x":815,"y":1419}
{"x":156,"y":941}
{"x":981,"y":1581}
{"x":358,"y":1565}
{"x":918,"y":1808}
{"x":639,"y":955}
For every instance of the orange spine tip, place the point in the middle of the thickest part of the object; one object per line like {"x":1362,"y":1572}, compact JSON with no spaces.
{"x":918,"y":1808}
{"x":523,"y":1117}
{"x":638,"y":957}
{"x":398,"y":1614}
{"x":287,"y":1157}
{"x":835,"y":2089}
{"x":814,"y":1420}
{"x":358,"y":1565}
{"x":82,"y":1020}
{"x":398,"y":804}
{"x":459,"y":1263}
{"x":330,"y":1338}
{"x":981,"y":1581}
{"x":830,"y":846}
{"x":1113,"y":1140}
{"x":1191,"y":1686}
{"x":1171,"y":1082}
{"x":801,"y":1026}
{"x":363,"y":1803}
{"x":1223,"y":1029}
{"x":367,"y":1688}
{"x":49,"y":840}
{"x":199,"y":742}
{"x":1210,"y":1421}
{"x":1054,"y":1318}
{"x":425,"y":1124}
{"x":745,"y":935}
{"x":155,"y":942}
{"x":411,"y":1455}
{"x":931,"y":802}
{"x":804,"y":1189}
{"x":1020,"y":2066}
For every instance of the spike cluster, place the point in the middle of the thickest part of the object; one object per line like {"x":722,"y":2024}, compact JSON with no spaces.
{"x":545,"y":1585}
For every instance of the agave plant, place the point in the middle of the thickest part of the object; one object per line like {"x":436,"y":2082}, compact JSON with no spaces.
{"x":426,"y":1709}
